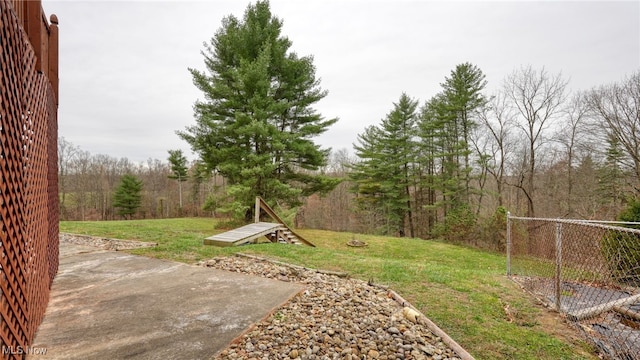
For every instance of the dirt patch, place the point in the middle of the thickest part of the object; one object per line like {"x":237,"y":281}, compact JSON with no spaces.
{"x":542,"y":315}
{"x":356,"y":243}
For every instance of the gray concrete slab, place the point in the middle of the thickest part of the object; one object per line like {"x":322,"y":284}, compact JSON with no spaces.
{"x":113,"y":305}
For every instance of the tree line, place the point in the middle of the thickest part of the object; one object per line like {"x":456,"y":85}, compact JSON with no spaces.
{"x":453,"y":165}
{"x":101,"y":187}
{"x":446,"y":167}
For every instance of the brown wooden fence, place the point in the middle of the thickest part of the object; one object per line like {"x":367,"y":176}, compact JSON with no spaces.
{"x":28,"y":170}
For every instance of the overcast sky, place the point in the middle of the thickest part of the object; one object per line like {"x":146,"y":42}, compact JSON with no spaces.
{"x":125,"y":88}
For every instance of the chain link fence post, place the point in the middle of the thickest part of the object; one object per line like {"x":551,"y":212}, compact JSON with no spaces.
{"x":508,"y":243}
{"x":558,"y":272}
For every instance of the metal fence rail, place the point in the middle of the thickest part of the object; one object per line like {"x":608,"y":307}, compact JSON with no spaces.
{"x":28,"y":171}
{"x":587,"y":270}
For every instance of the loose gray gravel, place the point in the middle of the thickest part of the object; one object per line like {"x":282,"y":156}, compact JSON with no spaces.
{"x":333,"y":318}
{"x":104,"y":243}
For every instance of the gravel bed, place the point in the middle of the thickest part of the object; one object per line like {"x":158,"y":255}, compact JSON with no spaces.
{"x":333,"y":318}
{"x":103,"y":243}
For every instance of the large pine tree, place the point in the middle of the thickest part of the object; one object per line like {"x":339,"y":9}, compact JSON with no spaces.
{"x":444,"y":151}
{"x":384,"y":177}
{"x":436,"y":150}
{"x":257,"y":122}
{"x":463,"y":97}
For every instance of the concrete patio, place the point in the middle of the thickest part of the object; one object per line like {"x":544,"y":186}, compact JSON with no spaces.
{"x":113,"y":305}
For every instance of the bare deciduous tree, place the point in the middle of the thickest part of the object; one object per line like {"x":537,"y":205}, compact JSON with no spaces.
{"x":80,"y":171}
{"x":571,"y":135}
{"x":537,"y":96}
{"x":339,"y":161}
{"x":618,"y":107}
{"x":497,"y":121}
{"x":66,"y":152}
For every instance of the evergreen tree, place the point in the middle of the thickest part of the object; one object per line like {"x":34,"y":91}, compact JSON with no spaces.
{"x":198,"y":176}
{"x":257,"y":123}
{"x":367,"y":175}
{"x":463,"y":97}
{"x":612,"y":176}
{"x":437,"y":149}
{"x":445,"y":126}
{"x":429,"y":154}
{"x":384,"y":177}
{"x":178,"y":165}
{"x":128,"y":196}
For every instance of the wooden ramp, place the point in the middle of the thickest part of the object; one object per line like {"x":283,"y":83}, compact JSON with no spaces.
{"x":243,"y":235}
{"x":276,"y":232}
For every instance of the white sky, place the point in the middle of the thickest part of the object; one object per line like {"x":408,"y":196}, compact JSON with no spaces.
{"x":125,"y":88}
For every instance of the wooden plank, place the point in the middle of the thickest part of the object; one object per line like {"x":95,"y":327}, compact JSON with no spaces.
{"x":242,"y":235}
{"x":627,"y":312}
{"x":264,"y":206}
{"x":598,"y":309}
{"x":251,"y":232}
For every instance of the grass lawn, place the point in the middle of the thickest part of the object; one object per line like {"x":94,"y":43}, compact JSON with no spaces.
{"x":464,"y":291}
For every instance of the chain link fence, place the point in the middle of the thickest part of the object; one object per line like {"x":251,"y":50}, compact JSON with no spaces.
{"x":589,"y":271}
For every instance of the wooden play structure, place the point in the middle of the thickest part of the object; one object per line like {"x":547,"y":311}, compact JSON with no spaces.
{"x":277,"y":232}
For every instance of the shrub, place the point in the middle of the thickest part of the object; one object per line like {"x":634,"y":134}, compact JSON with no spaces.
{"x":495,"y":230}
{"x":622,"y":253}
{"x":459,"y":226}
{"x":621,"y":249}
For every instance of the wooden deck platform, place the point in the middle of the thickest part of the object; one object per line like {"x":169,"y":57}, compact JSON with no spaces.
{"x":243,"y":235}
{"x":277,"y":232}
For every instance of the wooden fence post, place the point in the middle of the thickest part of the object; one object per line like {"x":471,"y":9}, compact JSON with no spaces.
{"x":33,"y":26}
{"x":53,"y":55}
{"x":257,"y":210}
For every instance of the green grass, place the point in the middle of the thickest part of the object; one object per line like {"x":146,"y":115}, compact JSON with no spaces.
{"x":571,"y":271}
{"x":462,"y":290}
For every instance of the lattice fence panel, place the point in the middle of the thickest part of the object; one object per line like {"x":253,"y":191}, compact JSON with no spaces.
{"x":28,"y":187}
